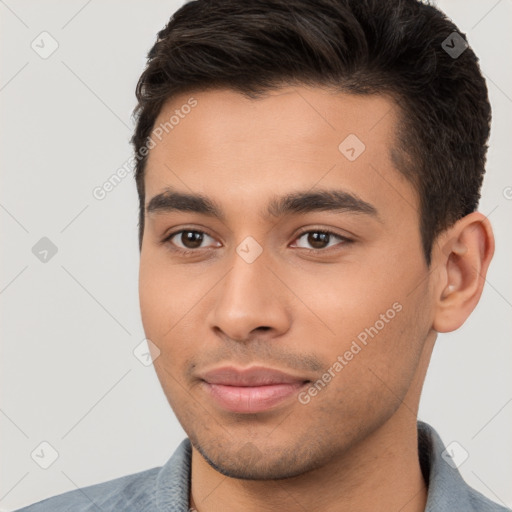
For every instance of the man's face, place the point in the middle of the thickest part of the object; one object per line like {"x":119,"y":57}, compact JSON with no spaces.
{"x":345,"y":315}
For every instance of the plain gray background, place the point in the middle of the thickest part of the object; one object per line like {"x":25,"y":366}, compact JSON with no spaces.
{"x":69,"y":325}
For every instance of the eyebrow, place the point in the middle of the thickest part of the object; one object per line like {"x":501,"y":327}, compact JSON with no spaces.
{"x":301,"y":202}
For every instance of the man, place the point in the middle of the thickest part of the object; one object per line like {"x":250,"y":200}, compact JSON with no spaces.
{"x":308,"y":174}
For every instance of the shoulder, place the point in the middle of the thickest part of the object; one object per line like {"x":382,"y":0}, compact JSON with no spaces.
{"x":123,"y":493}
{"x":161,"y":488}
{"x":447,"y":490}
{"x":482,"y":503}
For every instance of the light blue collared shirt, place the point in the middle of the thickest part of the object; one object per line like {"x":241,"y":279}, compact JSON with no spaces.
{"x":166,"y":489}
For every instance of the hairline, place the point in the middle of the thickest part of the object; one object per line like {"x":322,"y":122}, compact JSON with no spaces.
{"x":403,"y":156}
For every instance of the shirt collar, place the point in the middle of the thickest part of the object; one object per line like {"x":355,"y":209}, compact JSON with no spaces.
{"x":447,"y":491}
{"x":173,"y":481}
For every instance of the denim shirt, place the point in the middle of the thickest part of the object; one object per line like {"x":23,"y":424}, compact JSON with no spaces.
{"x":166,"y":489}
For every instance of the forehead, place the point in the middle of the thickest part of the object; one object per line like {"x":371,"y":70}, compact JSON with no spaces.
{"x":288,"y":115}
{"x":222,"y":144}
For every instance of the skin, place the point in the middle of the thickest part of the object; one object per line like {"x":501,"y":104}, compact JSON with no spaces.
{"x":356,"y":440}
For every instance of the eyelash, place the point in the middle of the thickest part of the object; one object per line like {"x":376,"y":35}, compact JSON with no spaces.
{"x":187,"y":252}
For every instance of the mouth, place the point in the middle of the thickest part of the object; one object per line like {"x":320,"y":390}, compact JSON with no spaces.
{"x":252,"y":390}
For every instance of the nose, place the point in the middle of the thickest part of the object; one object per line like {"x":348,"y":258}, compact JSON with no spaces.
{"x":250,"y":301}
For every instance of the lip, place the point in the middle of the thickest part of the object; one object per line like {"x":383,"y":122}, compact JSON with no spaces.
{"x":251,"y":390}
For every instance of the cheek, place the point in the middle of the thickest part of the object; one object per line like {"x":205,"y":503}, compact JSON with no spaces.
{"x":173,"y":301}
{"x":167,"y":293}
{"x":154,"y":298}
{"x":367,"y":315}
{"x":340,"y":301}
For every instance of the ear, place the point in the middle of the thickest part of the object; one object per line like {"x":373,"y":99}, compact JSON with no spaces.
{"x":461,"y":258}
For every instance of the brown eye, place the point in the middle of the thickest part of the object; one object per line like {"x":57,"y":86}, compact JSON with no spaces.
{"x":187,"y":240}
{"x":319,"y":240}
{"x":191,"y":239}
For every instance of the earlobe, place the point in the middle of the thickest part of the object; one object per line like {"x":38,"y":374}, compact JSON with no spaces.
{"x":463,"y":255}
